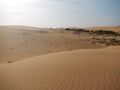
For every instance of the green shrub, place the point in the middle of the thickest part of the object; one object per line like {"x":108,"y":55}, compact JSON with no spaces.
{"x":105,"y":32}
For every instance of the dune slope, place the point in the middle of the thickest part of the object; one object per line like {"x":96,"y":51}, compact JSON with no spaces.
{"x":76,"y":70}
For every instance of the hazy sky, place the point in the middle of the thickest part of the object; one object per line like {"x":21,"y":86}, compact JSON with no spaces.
{"x":60,"y":13}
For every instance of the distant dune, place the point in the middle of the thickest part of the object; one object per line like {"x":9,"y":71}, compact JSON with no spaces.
{"x":111,"y":28}
{"x":91,"y":69}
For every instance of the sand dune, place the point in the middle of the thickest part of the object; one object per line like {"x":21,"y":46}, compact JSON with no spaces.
{"x":111,"y":28}
{"x":58,"y":59}
{"x":92,"y":69}
{"x":20,"y":42}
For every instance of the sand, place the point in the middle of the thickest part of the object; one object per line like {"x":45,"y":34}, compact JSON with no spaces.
{"x":93,"y":69}
{"x":55,"y":59}
{"x":21,"y":42}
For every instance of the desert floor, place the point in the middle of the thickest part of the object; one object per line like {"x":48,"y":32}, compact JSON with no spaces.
{"x":43,"y":59}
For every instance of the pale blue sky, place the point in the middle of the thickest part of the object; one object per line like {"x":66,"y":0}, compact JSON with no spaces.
{"x":60,"y":13}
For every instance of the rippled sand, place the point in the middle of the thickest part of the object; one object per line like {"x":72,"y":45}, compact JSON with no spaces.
{"x":93,"y":69}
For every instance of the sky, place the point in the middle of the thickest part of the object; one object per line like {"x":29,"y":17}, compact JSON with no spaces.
{"x":60,"y":13}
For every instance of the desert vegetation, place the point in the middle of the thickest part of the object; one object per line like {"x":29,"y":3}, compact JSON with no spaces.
{"x":104,"y":37}
{"x":106,"y":32}
{"x":106,"y":41}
